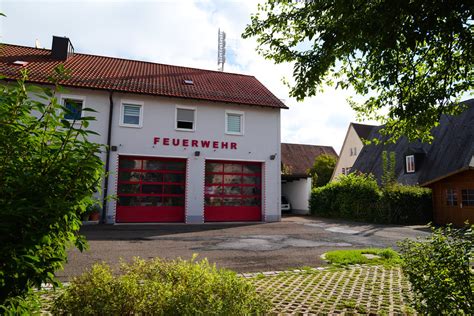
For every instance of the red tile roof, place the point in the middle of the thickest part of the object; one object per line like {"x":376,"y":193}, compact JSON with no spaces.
{"x":299,"y":158}
{"x":116,"y":74}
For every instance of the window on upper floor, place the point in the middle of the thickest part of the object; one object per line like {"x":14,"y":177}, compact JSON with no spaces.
{"x":353,"y":151}
{"x":73,"y":108}
{"x":131,"y":114}
{"x":185,"y":118}
{"x":451,"y":197}
{"x":467,"y":197}
{"x":410,"y":164}
{"x":234,"y":123}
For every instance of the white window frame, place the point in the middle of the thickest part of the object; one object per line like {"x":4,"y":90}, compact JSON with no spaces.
{"x":407,"y":164}
{"x":124,"y":102}
{"x":74,"y":97}
{"x":242,"y":122}
{"x":176,"y":118}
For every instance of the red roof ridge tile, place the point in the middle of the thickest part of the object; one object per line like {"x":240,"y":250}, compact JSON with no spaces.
{"x":137,"y":61}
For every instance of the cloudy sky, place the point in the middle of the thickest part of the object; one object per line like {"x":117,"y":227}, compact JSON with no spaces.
{"x":180,"y":33}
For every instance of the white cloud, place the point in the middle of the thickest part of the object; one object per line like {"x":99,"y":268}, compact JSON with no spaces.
{"x":180,"y":33}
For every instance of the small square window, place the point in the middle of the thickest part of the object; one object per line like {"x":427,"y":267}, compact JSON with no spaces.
{"x":410,"y":163}
{"x":131,"y":114}
{"x":185,"y":119}
{"x":467,"y":197}
{"x":234,"y":123}
{"x":73,"y":109}
{"x":451,"y":197}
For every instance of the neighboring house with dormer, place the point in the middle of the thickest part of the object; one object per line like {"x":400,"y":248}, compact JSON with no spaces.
{"x":296,"y":160}
{"x":352,"y":146}
{"x":185,"y":145}
{"x":446,"y":165}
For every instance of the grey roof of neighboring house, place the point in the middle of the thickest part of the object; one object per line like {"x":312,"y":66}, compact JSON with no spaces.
{"x":451,"y":151}
{"x":363,"y":130}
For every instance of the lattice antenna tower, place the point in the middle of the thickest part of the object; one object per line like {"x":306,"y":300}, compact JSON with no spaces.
{"x":220,"y":50}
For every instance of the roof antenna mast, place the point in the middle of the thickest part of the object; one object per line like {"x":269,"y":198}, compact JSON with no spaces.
{"x":220,"y":50}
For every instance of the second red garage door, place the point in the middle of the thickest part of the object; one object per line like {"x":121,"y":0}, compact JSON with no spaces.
{"x":233,"y":191}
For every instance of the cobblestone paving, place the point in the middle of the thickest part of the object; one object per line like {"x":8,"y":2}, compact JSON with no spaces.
{"x":356,"y":290}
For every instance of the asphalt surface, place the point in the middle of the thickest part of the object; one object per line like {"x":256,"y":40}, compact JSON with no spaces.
{"x":294,"y":242}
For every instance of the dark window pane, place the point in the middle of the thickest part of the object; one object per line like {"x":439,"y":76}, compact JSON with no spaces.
{"x":252,"y":169}
{"x":153,"y":165}
{"x":152,"y":177}
{"x":251,"y":180}
{"x":213,"y":201}
{"x":232,"y":179}
{"x":132,"y":120}
{"x":213,"y":190}
{"x":185,"y":125}
{"x":130,"y":164}
{"x":129,"y":176}
{"x":251,"y":202}
{"x":467,"y":197}
{"x":214,"y":178}
{"x":231,"y":201}
{"x":250,"y":191}
{"x":152,"y":188}
{"x":174,"y":189}
{"x":74,"y":109}
{"x":129,"y":201}
{"x":233,"y":190}
{"x":129,"y":188}
{"x":173,"y":201}
{"x":151,"y":201}
{"x":174,"y":177}
{"x":233,"y":168}
{"x":214,"y":167}
{"x":175,"y":165}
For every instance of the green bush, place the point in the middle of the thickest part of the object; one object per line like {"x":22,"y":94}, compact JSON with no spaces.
{"x":358,"y":197}
{"x":440,"y":271}
{"x":160,"y":287}
{"x":26,"y":304}
{"x":48,"y":174}
{"x":407,"y":204}
{"x":351,"y":196}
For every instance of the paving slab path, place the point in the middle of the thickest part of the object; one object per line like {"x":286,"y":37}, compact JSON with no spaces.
{"x":294,"y":242}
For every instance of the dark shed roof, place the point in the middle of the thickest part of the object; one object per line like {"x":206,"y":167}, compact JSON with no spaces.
{"x":299,"y":158}
{"x":451,"y":151}
{"x":363,"y":130}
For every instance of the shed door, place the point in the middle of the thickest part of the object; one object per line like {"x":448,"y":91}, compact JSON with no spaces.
{"x":233,"y":191}
{"x":151,"y":189}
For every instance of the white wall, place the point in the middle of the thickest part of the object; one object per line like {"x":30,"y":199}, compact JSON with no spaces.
{"x":298,"y":193}
{"x":346,"y":160}
{"x":260,"y":140}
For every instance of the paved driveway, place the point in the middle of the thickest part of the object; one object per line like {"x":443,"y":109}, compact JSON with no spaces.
{"x":296,"y":241}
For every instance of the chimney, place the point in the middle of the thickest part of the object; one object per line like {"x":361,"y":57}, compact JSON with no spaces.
{"x":62,"y":48}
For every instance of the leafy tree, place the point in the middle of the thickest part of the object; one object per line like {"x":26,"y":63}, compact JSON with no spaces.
{"x":48,"y":174}
{"x":412,"y":59}
{"x":322,"y":169}
{"x":439,"y":268}
{"x":388,"y":168}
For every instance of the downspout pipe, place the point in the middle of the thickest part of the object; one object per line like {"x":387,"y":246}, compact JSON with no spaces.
{"x":107,"y":158}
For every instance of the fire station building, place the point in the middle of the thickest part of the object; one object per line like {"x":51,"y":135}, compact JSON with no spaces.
{"x":184,"y":144}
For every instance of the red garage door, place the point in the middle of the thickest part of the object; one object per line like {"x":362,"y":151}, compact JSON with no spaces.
{"x":233,"y":191}
{"x":151,"y":189}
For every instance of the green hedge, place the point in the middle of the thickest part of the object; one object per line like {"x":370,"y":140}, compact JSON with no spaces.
{"x":161,"y":287}
{"x":358,"y":197}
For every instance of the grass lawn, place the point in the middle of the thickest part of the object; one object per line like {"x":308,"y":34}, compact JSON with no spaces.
{"x":373,"y":256}
{"x":362,"y":289}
